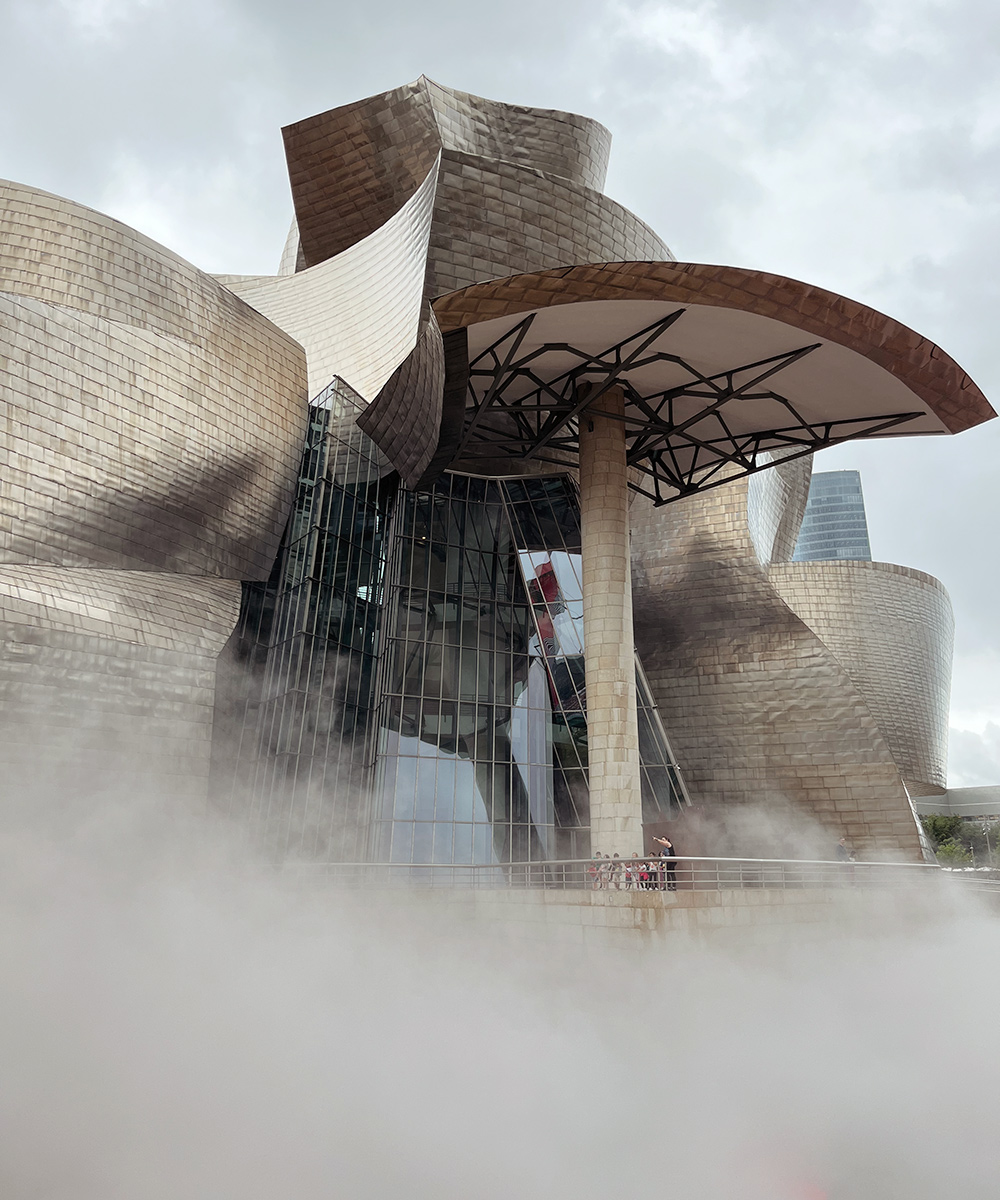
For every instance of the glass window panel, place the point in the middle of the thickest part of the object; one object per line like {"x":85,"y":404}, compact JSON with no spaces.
{"x":463,"y":843}
{"x":423,"y":842}
{"x":443,"y":850}
{"x":402,"y":841}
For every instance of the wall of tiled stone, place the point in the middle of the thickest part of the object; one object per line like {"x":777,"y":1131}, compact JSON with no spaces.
{"x":612,"y":720}
{"x":892,"y":629}
{"x":779,"y":748}
{"x":741,"y":921}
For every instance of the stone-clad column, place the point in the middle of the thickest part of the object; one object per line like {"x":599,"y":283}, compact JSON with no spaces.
{"x":612,"y":720}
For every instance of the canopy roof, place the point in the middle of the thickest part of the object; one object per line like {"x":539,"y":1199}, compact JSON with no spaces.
{"x":723,"y":370}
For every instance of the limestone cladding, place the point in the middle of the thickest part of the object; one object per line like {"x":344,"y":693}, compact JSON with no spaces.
{"x":357,"y":314}
{"x":107,"y":682}
{"x":892,"y":630}
{"x":760,"y":711}
{"x":739,"y":921}
{"x":153,"y":421}
{"x":612,"y":720}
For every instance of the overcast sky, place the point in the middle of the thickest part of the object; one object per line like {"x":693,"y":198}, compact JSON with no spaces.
{"x":854,"y":145}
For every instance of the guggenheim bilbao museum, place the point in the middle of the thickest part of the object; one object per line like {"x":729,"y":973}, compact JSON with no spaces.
{"x":468,"y":536}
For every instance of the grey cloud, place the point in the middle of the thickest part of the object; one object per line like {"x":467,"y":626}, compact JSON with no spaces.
{"x":853,"y":145}
{"x":974,"y":757}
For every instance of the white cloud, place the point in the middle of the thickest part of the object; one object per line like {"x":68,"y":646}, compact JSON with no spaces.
{"x":974,"y":757}
{"x":100,"y":18}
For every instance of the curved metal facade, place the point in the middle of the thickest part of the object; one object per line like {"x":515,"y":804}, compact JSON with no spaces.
{"x":153,"y":429}
{"x":355,"y":314}
{"x":421,"y":624}
{"x":494,"y":218}
{"x":892,"y":629}
{"x":108,"y":684}
{"x":781,"y":752}
{"x":351,"y":168}
{"x":154,"y":420}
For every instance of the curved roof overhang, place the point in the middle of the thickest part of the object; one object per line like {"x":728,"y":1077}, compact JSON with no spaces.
{"x":724,"y":370}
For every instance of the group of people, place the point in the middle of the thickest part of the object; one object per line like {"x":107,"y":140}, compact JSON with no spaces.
{"x":655,"y":873}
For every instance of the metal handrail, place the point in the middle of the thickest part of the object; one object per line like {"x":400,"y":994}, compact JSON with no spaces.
{"x":569,"y":862}
{"x":679,"y":873}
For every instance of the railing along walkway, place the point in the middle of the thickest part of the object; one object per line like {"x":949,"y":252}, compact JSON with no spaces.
{"x":651,"y":874}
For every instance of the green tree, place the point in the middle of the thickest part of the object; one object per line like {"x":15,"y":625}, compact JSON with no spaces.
{"x":952,"y":853}
{"x":940,"y":828}
{"x":978,"y":839}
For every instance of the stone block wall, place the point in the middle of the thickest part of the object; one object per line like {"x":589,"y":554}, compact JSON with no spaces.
{"x":748,"y":921}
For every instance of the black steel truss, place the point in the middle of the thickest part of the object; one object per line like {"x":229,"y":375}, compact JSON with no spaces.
{"x":681,"y":439}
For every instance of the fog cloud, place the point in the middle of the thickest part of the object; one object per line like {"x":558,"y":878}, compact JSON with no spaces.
{"x":179,"y":1021}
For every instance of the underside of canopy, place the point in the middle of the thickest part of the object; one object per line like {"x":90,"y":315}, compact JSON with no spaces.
{"x":722,"y":370}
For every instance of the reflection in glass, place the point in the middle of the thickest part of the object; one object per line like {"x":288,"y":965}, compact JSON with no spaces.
{"x":302,"y":765}
{"x":483,"y":700}
{"x":417,"y":691}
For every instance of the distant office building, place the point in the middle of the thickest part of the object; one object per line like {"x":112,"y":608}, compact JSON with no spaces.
{"x":970,"y":803}
{"x":834,"y":525}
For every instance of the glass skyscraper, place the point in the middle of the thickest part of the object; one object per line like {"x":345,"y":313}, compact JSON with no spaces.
{"x":834,"y":525}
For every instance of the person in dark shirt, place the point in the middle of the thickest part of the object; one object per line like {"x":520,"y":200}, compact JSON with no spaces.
{"x":844,"y":852}
{"x":669,"y":855}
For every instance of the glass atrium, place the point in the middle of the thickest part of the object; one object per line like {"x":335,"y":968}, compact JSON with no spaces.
{"x":412,"y":677}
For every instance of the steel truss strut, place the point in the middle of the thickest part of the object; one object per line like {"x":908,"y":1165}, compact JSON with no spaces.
{"x":683,"y":439}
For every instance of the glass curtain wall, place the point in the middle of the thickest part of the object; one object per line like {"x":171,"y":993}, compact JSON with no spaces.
{"x":483,"y":733}
{"x":307,"y":740}
{"x":409,"y":686}
{"x":454,"y":786}
{"x":834,"y":525}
